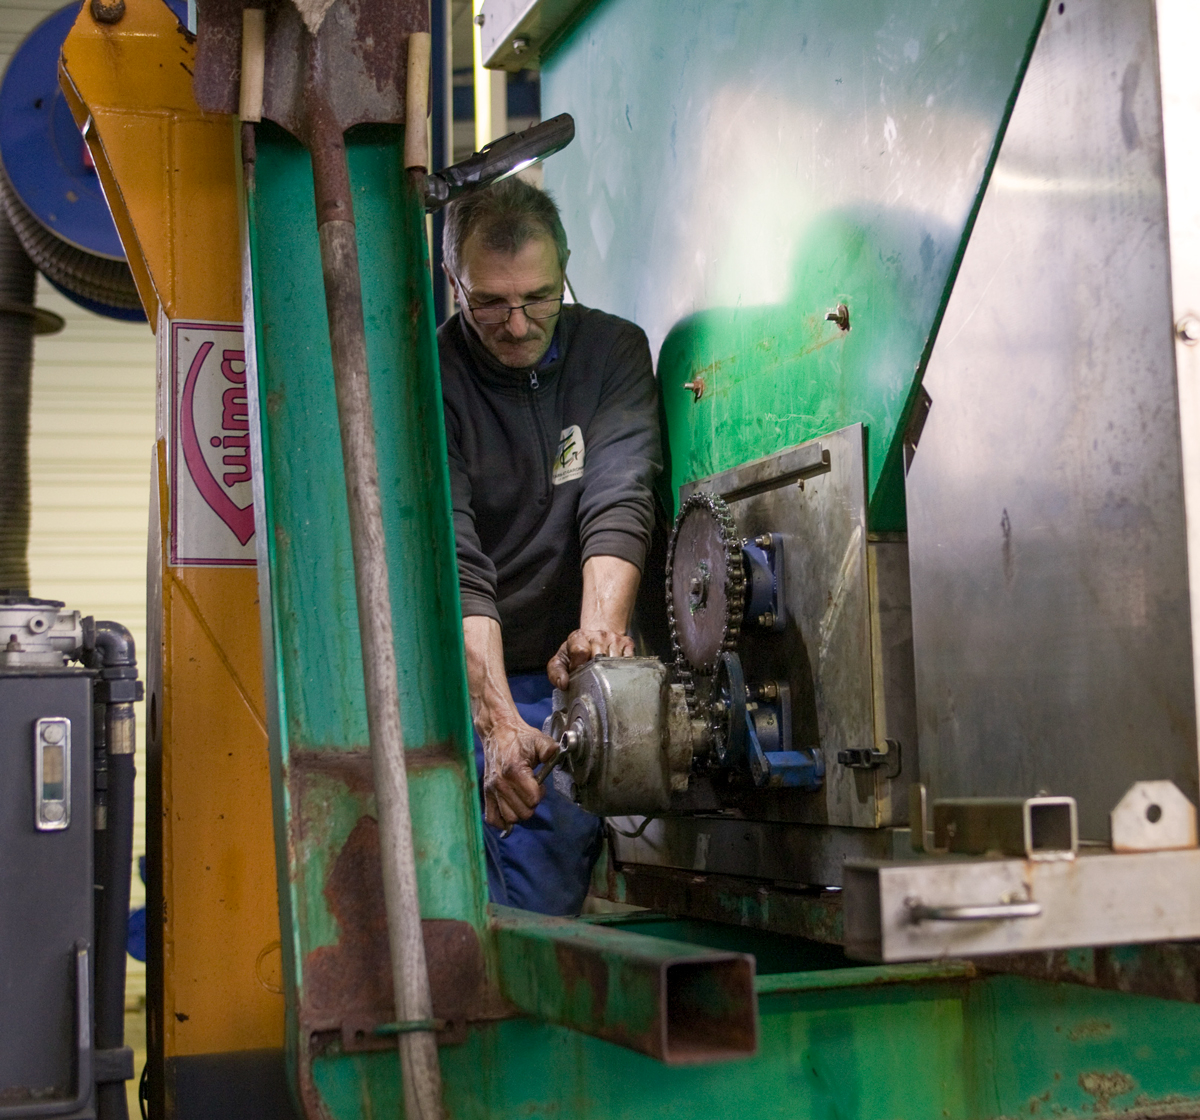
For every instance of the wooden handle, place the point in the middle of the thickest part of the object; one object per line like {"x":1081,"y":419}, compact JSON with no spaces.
{"x":416,"y":101}
{"x":250,"y":102}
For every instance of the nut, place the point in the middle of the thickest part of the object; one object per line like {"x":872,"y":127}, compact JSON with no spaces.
{"x":108,"y":11}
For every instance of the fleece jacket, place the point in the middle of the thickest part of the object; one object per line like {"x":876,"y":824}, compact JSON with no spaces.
{"x":549,"y":466}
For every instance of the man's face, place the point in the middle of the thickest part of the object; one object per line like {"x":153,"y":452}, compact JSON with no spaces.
{"x":489,"y":278}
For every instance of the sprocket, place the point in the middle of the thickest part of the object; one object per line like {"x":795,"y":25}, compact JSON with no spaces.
{"x":706,"y":587}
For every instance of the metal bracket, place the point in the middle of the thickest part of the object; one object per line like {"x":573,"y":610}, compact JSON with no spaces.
{"x":868,"y":758}
{"x":115,"y":1064}
{"x":84,"y":1082}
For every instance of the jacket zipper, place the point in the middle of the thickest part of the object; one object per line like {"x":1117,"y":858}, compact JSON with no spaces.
{"x":547,"y":483}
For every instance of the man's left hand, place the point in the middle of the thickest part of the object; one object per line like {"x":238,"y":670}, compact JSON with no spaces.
{"x":580,"y":648}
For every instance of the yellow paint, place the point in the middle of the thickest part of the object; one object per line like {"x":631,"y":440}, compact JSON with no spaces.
{"x":169,"y":174}
{"x":166,"y":167}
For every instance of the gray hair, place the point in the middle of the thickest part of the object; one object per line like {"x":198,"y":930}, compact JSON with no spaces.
{"x":506,"y":215}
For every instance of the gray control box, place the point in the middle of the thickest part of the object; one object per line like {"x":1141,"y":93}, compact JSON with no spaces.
{"x":46,"y":904}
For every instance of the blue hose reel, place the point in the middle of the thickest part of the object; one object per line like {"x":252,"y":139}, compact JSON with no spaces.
{"x":52,"y":193}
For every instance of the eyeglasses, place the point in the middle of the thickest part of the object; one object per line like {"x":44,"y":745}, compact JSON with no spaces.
{"x":493,"y":316}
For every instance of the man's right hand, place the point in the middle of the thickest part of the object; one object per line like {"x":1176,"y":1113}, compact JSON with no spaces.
{"x":511,"y":751}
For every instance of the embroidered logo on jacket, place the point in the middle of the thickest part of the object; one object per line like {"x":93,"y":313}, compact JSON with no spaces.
{"x":568,"y":463}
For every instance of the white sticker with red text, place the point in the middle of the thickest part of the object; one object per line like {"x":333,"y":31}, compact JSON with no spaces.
{"x":212,"y":514}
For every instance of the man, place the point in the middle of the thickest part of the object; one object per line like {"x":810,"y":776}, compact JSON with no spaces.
{"x":553,"y":440}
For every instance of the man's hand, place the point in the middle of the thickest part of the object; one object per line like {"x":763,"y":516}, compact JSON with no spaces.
{"x":580,"y":648}
{"x":511,"y":750}
{"x":609,"y":589}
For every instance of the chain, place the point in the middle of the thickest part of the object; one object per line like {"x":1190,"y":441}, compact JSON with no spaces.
{"x":735,"y":590}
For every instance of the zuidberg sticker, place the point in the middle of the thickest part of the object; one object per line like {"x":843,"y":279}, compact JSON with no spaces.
{"x":568,"y":463}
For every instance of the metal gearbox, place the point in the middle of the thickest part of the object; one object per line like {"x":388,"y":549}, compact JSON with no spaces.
{"x":827,"y":638}
{"x":626,"y":735}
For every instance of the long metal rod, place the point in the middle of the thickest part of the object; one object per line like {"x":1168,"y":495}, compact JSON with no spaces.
{"x":347,"y":336}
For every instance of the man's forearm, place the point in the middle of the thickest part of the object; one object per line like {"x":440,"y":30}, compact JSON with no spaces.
{"x":610,"y":587}
{"x":487,"y":683}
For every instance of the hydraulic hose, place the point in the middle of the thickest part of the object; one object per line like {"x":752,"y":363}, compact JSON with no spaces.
{"x":16,"y":362}
{"x":94,"y":279}
{"x":109,"y":648}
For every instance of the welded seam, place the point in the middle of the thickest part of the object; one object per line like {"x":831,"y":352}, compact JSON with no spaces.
{"x":238,"y":683}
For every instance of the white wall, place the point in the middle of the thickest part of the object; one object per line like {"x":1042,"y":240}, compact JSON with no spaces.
{"x":91,"y":439}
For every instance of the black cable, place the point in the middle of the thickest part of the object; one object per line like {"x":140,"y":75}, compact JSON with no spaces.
{"x":635,"y":834}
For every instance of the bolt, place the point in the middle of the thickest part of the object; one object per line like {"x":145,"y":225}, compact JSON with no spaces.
{"x":108,"y":11}
{"x":696,"y":387}
{"x":479,"y":19}
{"x":768,"y":690}
{"x":764,"y":541}
{"x":767,"y":619}
{"x":1187,"y":330}
{"x":839,"y":315}
{"x":520,"y":45}
{"x":52,"y":732}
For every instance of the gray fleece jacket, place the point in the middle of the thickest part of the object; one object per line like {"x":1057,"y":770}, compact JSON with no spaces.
{"x":548,"y":467}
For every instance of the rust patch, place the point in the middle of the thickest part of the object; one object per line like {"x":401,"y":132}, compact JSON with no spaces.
{"x":1089,"y":1028}
{"x":352,"y":977}
{"x":218,"y":55}
{"x":348,"y":986}
{"x":353,"y":767}
{"x":1104,"y":1086}
{"x":587,"y":969}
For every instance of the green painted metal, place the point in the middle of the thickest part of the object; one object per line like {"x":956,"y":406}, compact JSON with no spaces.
{"x":328,"y":853}
{"x":679,"y":1002}
{"x":952,"y":1048}
{"x":740,"y":169}
{"x":875,"y":1043}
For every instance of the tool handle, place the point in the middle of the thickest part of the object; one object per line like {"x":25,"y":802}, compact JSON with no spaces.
{"x":420,"y":1072}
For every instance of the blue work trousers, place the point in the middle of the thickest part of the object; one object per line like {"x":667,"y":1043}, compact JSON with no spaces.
{"x":545,"y":863}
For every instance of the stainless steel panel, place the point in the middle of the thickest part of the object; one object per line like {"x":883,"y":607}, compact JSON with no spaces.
{"x":1045,"y":498}
{"x":796,"y":855}
{"x":892,"y":674}
{"x":1178,"y":23}
{"x":814,"y":496}
{"x":1016,"y":906}
{"x":515,"y":33}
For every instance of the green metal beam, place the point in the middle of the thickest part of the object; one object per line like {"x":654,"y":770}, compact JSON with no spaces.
{"x":330,"y":886}
{"x":676,"y":1002}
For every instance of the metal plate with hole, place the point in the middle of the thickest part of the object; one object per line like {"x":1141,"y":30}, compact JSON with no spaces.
{"x":845,"y":652}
